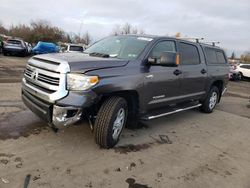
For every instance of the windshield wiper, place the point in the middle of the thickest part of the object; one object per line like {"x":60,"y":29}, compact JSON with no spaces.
{"x":96,"y":54}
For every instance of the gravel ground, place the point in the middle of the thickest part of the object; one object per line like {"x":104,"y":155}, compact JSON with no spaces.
{"x":189,"y":149}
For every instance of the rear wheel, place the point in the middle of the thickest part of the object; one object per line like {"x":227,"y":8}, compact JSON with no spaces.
{"x":110,"y":122}
{"x":210,"y":102}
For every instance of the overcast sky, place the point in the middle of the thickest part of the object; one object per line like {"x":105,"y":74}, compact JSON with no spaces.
{"x":227,"y":21}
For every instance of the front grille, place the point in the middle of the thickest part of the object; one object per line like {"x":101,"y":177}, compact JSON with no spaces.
{"x":43,"y":78}
{"x":33,"y":73}
{"x":46,"y":78}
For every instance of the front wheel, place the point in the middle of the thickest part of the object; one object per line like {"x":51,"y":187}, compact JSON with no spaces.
{"x":211,"y":100}
{"x":110,"y":121}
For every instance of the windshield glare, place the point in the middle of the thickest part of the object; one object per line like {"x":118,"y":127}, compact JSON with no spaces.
{"x":122,"y":47}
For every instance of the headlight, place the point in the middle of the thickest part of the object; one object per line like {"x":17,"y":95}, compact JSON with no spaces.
{"x":79,"y":82}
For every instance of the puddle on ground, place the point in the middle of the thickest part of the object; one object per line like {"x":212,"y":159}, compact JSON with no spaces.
{"x":132,"y":184}
{"x":23,"y":123}
{"x":160,"y":139}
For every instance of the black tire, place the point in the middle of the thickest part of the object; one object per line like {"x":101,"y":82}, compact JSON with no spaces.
{"x":240,"y":76}
{"x":208,"y":104}
{"x":103,"y":130}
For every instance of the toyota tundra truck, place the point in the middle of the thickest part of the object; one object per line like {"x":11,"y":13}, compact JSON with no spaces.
{"x":120,"y":81}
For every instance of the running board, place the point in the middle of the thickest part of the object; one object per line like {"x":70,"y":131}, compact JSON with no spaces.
{"x":151,"y":116}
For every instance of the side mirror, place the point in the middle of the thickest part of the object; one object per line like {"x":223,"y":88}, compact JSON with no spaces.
{"x":170,"y":59}
{"x":152,"y":61}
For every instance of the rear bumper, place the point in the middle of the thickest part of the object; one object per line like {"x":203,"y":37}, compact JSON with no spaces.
{"x":14,"y":51}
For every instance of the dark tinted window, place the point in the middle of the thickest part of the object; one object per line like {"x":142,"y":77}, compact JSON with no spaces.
{"x":220,"y":57}
{"x":214,"y":56}
{"x":76,"y":48}
{"x":245,"y":66}
{"x":14,"y":42}
{"x":189,"y":54}
{"x":165,"y":46}
{"x":210,"y":55}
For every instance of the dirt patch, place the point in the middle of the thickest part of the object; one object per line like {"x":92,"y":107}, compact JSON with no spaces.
{"x":228,"y":94}
{"x":22,"y":123}
{"x":131,"y":148}
{"x":160,"y":139}
{"x":132,"y":184}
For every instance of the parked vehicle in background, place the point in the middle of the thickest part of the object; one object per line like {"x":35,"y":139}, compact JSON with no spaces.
{"x":74,"y":48}
{"x":244,"y":70}
{"x":15,"y":47}
{"x":1,"y":44}
{"x":29,"y":47}
{"x":121,"y":80}
{"x":234,"y":73}
{"x":45,"y":48}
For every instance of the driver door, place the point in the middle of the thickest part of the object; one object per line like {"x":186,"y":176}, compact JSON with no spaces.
{"x":161,"y":84}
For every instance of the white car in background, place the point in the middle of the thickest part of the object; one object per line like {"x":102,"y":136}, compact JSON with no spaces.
{"x":74,"y":48}
{"x":234,"y":73}
{"x":244,"y":70}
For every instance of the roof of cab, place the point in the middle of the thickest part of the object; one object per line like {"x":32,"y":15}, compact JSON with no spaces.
{"x":156,"y":37}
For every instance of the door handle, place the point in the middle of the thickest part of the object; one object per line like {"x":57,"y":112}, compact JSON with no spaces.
{"x":177,"y":72}
{"x":203,"y":71}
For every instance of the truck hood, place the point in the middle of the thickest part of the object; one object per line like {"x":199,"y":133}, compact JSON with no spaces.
{"x":80,"y":62}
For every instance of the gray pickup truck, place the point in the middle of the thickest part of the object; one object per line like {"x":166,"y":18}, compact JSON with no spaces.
{"x":122,"y":80}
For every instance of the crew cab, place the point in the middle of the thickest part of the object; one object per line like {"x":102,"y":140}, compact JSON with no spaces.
{"x":122,"y":80}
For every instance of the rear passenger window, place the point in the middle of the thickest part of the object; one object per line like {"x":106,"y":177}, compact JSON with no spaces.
{"x":220,"y":57}
{"x":189,"y":54}
{"x":214,"y":56}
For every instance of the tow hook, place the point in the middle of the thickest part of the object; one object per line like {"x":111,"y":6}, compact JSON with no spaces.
{"x":91,"y":120}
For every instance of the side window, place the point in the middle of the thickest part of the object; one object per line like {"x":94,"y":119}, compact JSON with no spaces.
{"x":210,"y":56}
{"x":189,"y":54}
{"x":245,"y":66}
{"x":220,"y":57}
{"x":214,"y":56}
{"x":164,"y":46}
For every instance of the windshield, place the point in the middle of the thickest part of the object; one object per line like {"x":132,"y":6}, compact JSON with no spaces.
{"x":122,"y":47}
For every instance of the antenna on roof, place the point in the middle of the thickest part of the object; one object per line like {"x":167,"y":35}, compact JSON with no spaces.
{"x":191,"y":38}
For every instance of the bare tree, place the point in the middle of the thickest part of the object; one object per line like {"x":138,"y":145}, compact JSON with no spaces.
{"x":126,"y":29}
{"x":3,"y":30}
{"x":86,"y":37}
{"x":245,"y":57}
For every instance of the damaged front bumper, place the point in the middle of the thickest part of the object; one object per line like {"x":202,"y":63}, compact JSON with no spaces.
{"x":57,"y":115}
{"x":63,"y":116}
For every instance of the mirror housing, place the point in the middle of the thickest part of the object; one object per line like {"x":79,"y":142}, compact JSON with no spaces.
{"x":152,"y":61}
{"x":168,"y":59}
